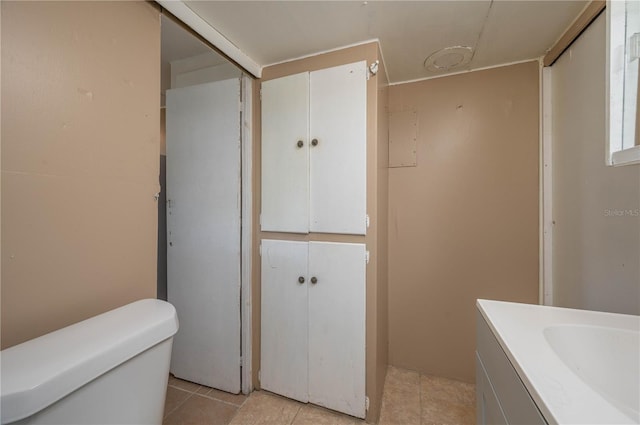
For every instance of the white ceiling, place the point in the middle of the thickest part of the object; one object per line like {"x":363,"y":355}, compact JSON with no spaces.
{"x":499,"y":31}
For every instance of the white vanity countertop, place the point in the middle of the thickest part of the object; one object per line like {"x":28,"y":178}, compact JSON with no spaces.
{"x":561,"y":396}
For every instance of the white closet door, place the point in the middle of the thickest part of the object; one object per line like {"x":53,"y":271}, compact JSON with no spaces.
{"x":338,"y":163}
{"x":284,"y":337}
{"x":203,"y":231}
{"x":285,"y":164}
{"x":337,"y":326}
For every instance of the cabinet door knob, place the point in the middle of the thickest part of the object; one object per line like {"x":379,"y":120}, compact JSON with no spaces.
{"x":314,"y":142}
{"x":300,"y":143}
{"x":314,"y":280}
{"x":301,"y":279}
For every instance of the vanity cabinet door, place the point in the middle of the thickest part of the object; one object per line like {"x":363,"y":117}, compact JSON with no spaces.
{"x":514,"y":400}
{"x":488,"y":410}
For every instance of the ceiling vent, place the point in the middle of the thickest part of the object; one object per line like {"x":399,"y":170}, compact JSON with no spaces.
{"x":448,"y":58}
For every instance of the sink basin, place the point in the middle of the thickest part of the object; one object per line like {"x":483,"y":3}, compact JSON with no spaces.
{"x":606,"y":359}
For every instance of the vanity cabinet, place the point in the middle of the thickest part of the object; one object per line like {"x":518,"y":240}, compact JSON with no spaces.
{"x":313,"y":323}
{"x":313,"y":151}
{"x":501,"y":396}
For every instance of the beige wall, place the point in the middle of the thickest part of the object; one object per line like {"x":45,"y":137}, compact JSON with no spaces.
{"x":80,"y":147}
{"x":463,"y":223}
{"x":596,"y":208}
{"x":376,"y":335}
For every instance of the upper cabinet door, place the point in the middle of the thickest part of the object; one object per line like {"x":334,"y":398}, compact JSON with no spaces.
{"x":338,"y":157}
{"x":285,"y":154}
{"x":314,"y":155}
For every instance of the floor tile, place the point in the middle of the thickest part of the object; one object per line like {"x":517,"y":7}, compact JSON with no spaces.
{"x":445,"y":401}
{"x":262,"y":408}
{"x":236,"y":399}
{"x":401,"y":398}
{"x":408,"y":399}
{"x":198,"y":410}
{"x":175,"y":398}
{"x":314,"y":415}
{"x":438,"y":412}
{"x":183,"y":385}
{"x":436,"y":388}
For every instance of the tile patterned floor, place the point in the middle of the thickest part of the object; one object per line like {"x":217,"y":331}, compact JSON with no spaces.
{"x":189,"y":403}
{"x":409,"y":399}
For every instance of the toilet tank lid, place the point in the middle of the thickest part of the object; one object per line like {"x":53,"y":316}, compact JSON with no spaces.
{"x":39,"y":372}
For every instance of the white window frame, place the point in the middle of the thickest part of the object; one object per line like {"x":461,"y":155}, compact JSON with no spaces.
{"x":616,"y":154}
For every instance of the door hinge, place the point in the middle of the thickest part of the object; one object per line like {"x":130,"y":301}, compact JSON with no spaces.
{"x":634,"y":46}
{"x":366,"y":256}
{"x":260,"y":376}
{"x":241,"y":361}
{"x":372,"y":69}
{"x":366,"y":404}
{"x":260,"y":93}
{"x":260,"y":249}
{"x":367,"y":220}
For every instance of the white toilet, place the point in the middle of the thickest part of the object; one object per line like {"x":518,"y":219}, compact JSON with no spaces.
{"x":110,"y":369}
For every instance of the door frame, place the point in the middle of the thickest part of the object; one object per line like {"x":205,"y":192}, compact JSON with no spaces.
{"x":246,"y":231}
{"x":546,"y":186}
{"x":246,"y":208}
{"x":250,"y":71}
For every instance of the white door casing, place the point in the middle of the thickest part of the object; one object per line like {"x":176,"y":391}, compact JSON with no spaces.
{"x":203,"y":231}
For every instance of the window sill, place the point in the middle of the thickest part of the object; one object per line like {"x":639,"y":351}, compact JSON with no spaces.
{"x":628,"y":156}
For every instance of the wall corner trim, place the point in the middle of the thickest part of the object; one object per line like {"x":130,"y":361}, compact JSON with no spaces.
{"x":546,"y":187}
{"x":582,"y":21}
{"x":322,"y":52}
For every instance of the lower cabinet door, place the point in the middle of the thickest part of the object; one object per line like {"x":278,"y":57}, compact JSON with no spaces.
{"x":313,"y":323}
{"x":337,"y":326}
{"x":284,"y":319}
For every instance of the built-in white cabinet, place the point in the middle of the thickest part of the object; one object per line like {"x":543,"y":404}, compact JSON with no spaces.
{"x":501,"y":397}
{"x":313,"y":323}
{"x":314,"y":151}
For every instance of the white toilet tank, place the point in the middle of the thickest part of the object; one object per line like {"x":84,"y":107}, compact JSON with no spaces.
{"x":110,"y":369}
